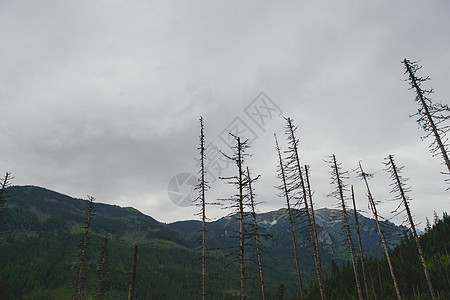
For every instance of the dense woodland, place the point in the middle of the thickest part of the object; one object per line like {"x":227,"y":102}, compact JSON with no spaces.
{"x":56,"y":247}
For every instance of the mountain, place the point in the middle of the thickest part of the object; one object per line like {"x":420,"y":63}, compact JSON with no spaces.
{"x":39,"y":253}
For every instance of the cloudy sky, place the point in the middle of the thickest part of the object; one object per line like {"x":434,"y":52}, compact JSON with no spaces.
{"x":102,"y":98}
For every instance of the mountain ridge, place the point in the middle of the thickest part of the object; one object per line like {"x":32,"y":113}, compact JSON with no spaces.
{"x":45,"y":229}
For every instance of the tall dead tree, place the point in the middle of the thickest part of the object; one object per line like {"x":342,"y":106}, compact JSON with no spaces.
{"x":286,"y":192}
{"x":133,"y":274}
{"x":294,"y":162}
{"x":256,"y":232}
{"x":238,"y":201}
{"x":101,"y":269}
{"x":311,"y":205}
{"x":361,"y":252}
{"x":364,"y":176}
{"x":79,"y":283}
{"x":201,"y":201}
{"x":337,"y":177}
{"x":430,"y":116}
{"x":400,"y":190}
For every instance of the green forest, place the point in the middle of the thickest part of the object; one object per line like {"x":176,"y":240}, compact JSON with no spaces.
{"x":42,"y":237}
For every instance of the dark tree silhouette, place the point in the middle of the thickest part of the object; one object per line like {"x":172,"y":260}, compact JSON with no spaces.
{"x":286,"y":192}
{"x":201,"y":201}
{"x":83,"y":256}
{"x":256,"y":232}
{"x":431,"y":116}
{"x":297,"y":176}
{"x":361,"y":252}
{"x":5,"y":181}
{"x":400,"y":190}
{"x":133,"y":274}
{"x":239,"y":202}
{"x":365,"y":176}
{"x":337,"y":177}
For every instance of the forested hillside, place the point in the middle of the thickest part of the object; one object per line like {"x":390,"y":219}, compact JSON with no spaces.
{"x":409,"y":272}
{"x":44,"y":231}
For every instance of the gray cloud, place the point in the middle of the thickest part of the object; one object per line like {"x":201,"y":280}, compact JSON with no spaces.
{"x":104,"y":98}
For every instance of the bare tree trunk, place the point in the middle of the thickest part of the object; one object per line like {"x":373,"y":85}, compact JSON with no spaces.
{"x":4,"y":185}
{"x":347,"y":227}
{"x":291,"y":221}
{"x":383,"y":240}
{"x":203,"y":206}
{"x":133,"y":274}
{"x":360,"y":246}
{"x":316,"y":239}
{"x":415,"y":83}
{"x":100,"y":287}
{"x":258,"y":246}
{"x":241,"y":222}
{"x":78,"y":290}
{"x":402,"y":192}
{"x":294,"y":151}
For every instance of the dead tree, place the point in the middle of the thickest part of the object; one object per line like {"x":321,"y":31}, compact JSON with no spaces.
{"x":294,"y":163}
{"x":286,"y":192}
{"x":364,"y":176}
{"x":337,"y":177}
{"x":319,"y":264}
{"x":430,"y":116}
{"x":256,"y":232}
{"x":400,"y":190}
{"x":4,"y":184}
{"x":238,"y":202}
{"x":361,"y":252}
{"x":201,"y":201}
{"x":78,"y":291}
{"x":133,"y":274}
{"x":101,"y":269}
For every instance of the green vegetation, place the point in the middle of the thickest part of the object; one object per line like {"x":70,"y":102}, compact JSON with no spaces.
{"x":409,"y":272}
{"x":44,"y":232}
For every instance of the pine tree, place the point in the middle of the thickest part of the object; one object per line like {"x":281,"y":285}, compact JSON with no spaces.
{"x":297,"y":176}
{"x":238,"y":202}
{"x":364,"y":176}
{"x":4,"y":183}
{"x":361,"y":252}
{"x":400,"y":190}
{"x":319,"y":264}
{"x":256,"y":232}
{"x":431,"y":116}
{"x":202,"y":187}
{"x":83,"y":254}
{"x":133,"y":274}
{"x":286,"y":192}
{"x":337,"y":177}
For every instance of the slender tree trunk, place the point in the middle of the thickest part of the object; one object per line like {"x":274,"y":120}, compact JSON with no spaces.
{"x":4,"y":185}
{"x":294,"y":150}
{"x":421,"y":98}
{"x":133,"y":274}
{"x":360,"y":246}
{"x":258,"y":246}
{"x":203,"y":205}
{"x":316,"y":239}
{"x":347,"y":227}
{"x":100,"y":287}
{"x":411,"y":222}
{"x":383,"y":240}
{"x":291,"y":221}
{"x":241,"y":223}
{"x":78,"y":290}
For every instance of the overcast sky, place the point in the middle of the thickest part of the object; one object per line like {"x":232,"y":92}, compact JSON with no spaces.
{"x":103,"y":98}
